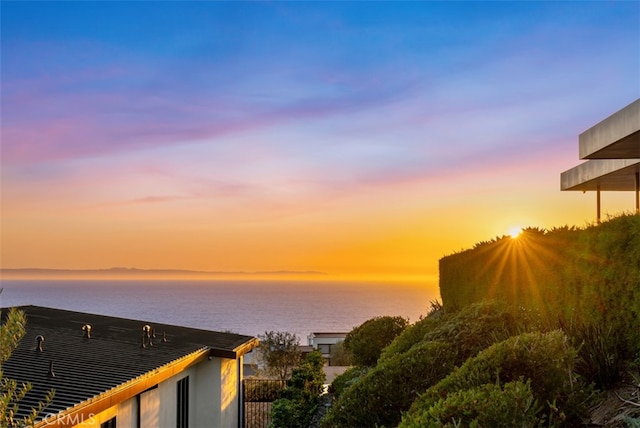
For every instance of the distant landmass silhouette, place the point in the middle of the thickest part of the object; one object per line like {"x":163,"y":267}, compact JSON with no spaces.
{"x":124,"y":272}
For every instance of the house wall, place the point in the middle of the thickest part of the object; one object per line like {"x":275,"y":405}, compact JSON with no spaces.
{"x":230,"y":395}
{"x":214,"y":400}
{"x":207,"y":393}
{"x":149,"y":408}
{"x":224,"y":390}
{"x":126,"y":414}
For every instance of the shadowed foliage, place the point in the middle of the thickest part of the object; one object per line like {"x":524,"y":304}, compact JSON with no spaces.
{"x":570,"y":277}
{"x":546,"y":361}
{"x":383,"y":393}
{"x":365,"y":342}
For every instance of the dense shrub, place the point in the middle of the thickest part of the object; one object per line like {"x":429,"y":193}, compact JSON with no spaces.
{"x":287,"y":413}
{"x":346,"y":379}
{"x":589,"y":275}
{"x":471,"y":329}
{"x":300,"y":399}
{"x":489,"y":405}
{"x":476,"y":327}
{"x":545,"y":359}
{"x":410,"y":336}
{"x":263,"y":389}
{"x":366,"y":342}
{"x":340,"y":356}
{"x":380,"y":396}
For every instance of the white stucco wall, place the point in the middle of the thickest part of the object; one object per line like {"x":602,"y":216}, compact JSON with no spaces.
{"x":213,"y":400}
{"x":229,"y":393}
{"x":216,"y":393}
{"x":150,"y":408}
{"x":126,"y":414}
{"x":207,"y":393}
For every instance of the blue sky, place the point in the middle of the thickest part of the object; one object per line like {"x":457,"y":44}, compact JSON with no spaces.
{"x":301,"y":116}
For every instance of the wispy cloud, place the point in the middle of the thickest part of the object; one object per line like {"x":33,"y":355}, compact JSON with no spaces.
{"x":210,"y":114}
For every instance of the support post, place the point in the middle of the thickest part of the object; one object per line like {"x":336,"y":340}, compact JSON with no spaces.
{"x":598,"y":202}
{"x":637,"y":192}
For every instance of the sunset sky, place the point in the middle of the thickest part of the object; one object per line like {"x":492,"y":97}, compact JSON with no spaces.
{"x":360,"y":139}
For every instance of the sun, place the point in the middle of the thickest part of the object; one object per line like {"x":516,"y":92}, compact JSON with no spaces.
{"x":515,"y":231}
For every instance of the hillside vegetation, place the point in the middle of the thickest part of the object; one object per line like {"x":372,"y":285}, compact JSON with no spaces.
{"x":531,"y":332}
{"x":581,"y":278}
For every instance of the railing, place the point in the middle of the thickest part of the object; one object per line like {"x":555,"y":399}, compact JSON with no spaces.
{"x":258,"y":395}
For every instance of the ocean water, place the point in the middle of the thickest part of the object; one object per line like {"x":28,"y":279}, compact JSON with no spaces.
{"x":245,"y":307}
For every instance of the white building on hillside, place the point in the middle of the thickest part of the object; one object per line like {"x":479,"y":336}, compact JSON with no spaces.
{"x":324,"y":342}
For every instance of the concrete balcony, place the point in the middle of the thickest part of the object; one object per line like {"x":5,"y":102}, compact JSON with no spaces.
{"x":616,"y":137}
{"x":605,"y":174}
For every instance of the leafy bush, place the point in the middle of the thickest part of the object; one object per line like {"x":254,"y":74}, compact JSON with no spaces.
{"x":489,"y":405}
{"x":380,"y":396}
{"x":262,"y":389}
{"x":412,"y":335}
{"x":366,"y":342}
{"x":476,"y":327}
{"x":300,"y":399}
{"x":286,"y":413}
{"x":346,"y":379}
{"x":307,"y":379}
{"x":471,"y":329}
{"x":546,"y":359}
{"x":591,"y":275}
{"x":340,"y":356}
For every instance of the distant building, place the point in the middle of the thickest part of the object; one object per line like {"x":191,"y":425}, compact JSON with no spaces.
{"x":113,"y":372}
{"x":612,"y":150}
{"x":324,"y":342}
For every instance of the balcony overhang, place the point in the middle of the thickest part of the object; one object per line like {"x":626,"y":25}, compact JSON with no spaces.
{"x":616,"y":137}
{"x":602,"y":174}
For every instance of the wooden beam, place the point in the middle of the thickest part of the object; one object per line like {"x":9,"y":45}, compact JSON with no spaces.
{"x":637,"y":192}
{"x":598,"y":203}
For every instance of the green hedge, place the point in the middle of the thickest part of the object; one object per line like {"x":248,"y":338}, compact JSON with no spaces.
{"x":420,"y":356}
{"x":589,"y":276}
{"x":472,"y":329}
{"x":382,"y":394}
{"x":545,"y":360}
{"x":489,"y":405}
{"x":342,"y":382}
{"x":365,"y":342}
{"x":300,"y":399}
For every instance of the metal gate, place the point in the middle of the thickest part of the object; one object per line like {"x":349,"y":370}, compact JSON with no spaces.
{"x":258,"y":394}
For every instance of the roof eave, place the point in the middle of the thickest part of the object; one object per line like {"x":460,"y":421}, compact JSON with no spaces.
{"x":238,"y":351}
{"x":603,"y":174}
{"x":87,"y":409}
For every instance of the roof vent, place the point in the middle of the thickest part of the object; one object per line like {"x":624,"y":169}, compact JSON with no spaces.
{"x":51,"y":373}
{"x":40,"y":339}
{"x":147,"y":336}
{"x":87,"y":331}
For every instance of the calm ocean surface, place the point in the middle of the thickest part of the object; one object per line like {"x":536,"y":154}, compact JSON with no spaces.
{"x":246,"y":307}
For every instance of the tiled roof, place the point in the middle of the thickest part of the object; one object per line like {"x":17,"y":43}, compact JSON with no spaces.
{"x":113,"y":355}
